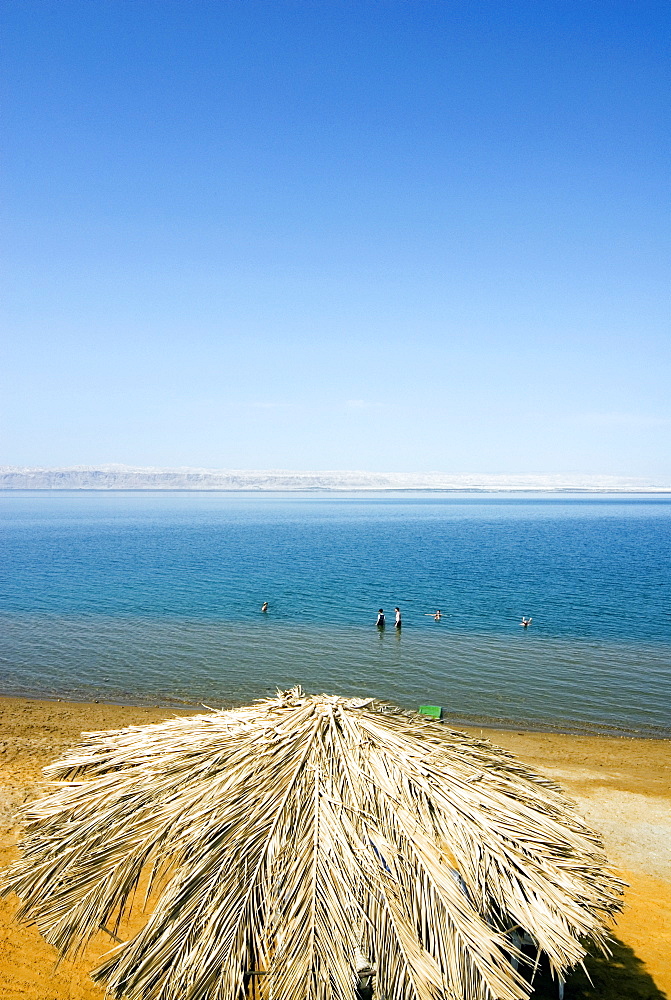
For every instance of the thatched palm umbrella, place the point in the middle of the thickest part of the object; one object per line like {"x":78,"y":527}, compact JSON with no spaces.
{"x":292,"y":841}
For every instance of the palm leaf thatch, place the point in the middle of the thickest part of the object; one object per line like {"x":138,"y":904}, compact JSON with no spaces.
{"x":288,"y":841}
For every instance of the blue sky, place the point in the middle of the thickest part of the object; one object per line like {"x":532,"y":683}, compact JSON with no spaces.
{"x":404,"y":236}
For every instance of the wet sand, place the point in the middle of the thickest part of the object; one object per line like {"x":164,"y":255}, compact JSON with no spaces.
{"x":622,"y":787}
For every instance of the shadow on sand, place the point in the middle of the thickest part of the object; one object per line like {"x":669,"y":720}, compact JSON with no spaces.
{"x":620,"y":977}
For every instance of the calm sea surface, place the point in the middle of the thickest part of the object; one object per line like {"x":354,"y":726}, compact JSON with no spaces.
{"x":155,"y":598}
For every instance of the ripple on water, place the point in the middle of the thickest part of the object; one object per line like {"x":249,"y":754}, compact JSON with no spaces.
{"x":505,"y":680}
{"x":157,"y":597}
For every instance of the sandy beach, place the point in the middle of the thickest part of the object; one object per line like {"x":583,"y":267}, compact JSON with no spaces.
{"x":621,"y":786}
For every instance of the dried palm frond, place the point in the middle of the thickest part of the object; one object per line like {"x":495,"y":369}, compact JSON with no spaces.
{"x":291,"y":841}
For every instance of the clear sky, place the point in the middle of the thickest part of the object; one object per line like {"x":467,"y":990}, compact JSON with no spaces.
{"x":337,"y":234}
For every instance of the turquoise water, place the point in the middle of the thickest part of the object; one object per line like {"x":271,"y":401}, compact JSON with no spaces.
{"x":155,"y":598}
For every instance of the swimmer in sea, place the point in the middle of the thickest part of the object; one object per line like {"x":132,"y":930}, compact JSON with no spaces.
{"x":397,"y":612}
{"x":526,"y":622}
{"x":380,"y":618}
{"x":264,"y":606}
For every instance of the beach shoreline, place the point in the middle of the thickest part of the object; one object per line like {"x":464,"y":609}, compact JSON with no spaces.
{"x":472,"y":724}
{"x":622,"y":786}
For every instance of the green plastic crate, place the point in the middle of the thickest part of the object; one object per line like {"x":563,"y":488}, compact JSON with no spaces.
{"x":433,"y":711}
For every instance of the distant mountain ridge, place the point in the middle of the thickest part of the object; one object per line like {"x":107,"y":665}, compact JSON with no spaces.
{"x":122,"y":477}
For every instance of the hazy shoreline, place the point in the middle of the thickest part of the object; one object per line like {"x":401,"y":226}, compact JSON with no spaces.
{"x":334,"y":490}
{"x":120,"y":477}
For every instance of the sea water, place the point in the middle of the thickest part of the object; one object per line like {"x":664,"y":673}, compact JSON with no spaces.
{"x":155,"y":598}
